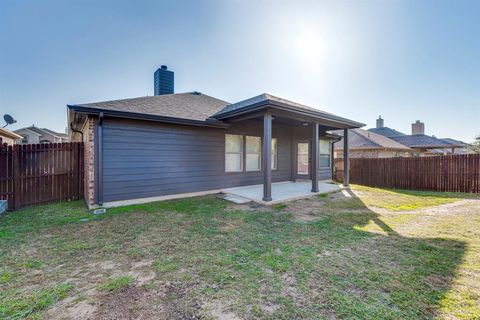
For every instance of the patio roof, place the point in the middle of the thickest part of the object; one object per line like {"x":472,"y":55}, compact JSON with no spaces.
{"x":268,"y":101}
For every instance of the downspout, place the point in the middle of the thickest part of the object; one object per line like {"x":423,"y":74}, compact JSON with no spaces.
{"x":75,"y":130}
{"x":99,"y":159}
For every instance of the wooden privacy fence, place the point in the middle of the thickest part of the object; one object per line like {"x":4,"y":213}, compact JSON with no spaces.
{"x":39,"y":173}
{"x":456,"y":173}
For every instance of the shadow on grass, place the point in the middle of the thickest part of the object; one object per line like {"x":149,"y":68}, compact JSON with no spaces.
{"x":385,"y":276}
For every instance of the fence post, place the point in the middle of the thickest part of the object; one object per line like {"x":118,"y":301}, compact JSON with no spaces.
{"x":16,"y":177}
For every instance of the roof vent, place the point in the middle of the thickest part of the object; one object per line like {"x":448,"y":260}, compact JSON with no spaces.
{"x":197,"y":93}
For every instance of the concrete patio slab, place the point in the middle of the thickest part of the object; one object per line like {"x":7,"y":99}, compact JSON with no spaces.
{"x":282,"y":191}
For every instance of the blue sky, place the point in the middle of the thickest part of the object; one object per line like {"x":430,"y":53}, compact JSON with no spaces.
{"x":405,"y":60}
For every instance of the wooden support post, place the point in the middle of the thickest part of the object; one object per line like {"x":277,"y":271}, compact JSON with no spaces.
{"x":315,"y":155}
{"x":346,"y":159}
{"x":267,"y":156}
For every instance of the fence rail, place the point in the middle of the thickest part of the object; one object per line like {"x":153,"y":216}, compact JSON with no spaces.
{"x":41,"y":173}
{"x":455,"y":173}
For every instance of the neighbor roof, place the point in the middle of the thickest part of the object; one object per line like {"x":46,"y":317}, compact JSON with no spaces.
{"x":193,"y":106}
{"x":9,"y":134}
{"x":454,"y":142}
{"x":58,"y":134}
{"x":363,"y":139}
{"x":40,"y":131}
{"x":387,"y":132}
{"x":266,"y":99}
{"x":421,"y":141}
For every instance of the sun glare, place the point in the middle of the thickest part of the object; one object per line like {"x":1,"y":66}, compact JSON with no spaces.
{"x":310,"y":47}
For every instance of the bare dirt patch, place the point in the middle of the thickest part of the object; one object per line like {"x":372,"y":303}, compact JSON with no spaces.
{"x":306,"y":210}
{"x":219,"y":310}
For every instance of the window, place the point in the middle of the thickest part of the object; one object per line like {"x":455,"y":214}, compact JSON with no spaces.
{"x":324,"y":153}
{"x":253,"y":153}
{"x":233,"y":153}
{"x":274,"y":154}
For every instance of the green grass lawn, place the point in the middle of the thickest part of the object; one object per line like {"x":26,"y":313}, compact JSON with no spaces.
{"x":326,"y":257}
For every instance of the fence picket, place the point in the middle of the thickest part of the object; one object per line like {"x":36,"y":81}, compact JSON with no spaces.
{"x":41,"y":173}
{"x":453,"y":173}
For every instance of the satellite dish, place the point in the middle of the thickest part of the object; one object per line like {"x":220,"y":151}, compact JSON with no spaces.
{"x":8,"y":119}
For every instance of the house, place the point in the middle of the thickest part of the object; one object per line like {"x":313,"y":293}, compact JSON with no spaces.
{"x":33,"y":135}
{"x":385,"y":131}
{"x":8,"y":137}
{"x":181,"y":144}
{"x":365,"y":144}
{"x":418,"y":141}
{"x":461,"y":146}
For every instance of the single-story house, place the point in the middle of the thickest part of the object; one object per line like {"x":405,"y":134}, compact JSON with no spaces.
{"x":420,"y":144}
{"x":423,"y":145}
{"x":173,"y":144}
{"x":8,"y":137}
{"x":34,"y":135}
{"x":365,"y":144}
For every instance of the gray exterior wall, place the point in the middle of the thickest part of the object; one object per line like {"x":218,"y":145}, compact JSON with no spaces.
{"x":147,"y":159}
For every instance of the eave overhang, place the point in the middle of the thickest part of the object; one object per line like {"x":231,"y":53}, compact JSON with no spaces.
{"x":319,"y":115}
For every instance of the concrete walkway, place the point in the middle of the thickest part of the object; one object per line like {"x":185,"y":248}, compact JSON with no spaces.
{"x":281,"y":191}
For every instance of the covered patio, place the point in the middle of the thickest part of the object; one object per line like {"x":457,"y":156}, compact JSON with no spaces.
{"x":307,"y":126}
{"x":281,"y":191}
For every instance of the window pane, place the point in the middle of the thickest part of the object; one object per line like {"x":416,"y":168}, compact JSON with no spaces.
{"x":233,"y":143}
{"x":274,"y":153}
{"x":274,"y":162}
{"x":274,"y":145}
{"x":303,"y":148}
{"x":253,"y":144}
{"x":233,"y":162}
{"x":253,"y":162}
{"x":324,"y":147}
{"x":324,"y":160}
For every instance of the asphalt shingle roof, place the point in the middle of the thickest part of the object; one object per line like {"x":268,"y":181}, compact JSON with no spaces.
{"x":295,"y":106}
{"x":421,"y":141}
{"x":197,"y":106}
{"x":454,"y":142}
{"x":263,"y":98}
{"x":387,"y":132}
{"x":364,"y":139}
{"x":190,"y":105}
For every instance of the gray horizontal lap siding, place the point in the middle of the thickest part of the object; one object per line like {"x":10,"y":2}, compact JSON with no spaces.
{"x":143,"y":159}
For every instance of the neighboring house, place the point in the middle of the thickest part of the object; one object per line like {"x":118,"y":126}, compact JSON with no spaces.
{"x":169,"y":145}
{"x":8,"y":136}
{"x":385,"y":131}
{"x":420,"y":143}
{"x":33,"y":135}
{"x":461,"y":147}
{"x":365,"y":144}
